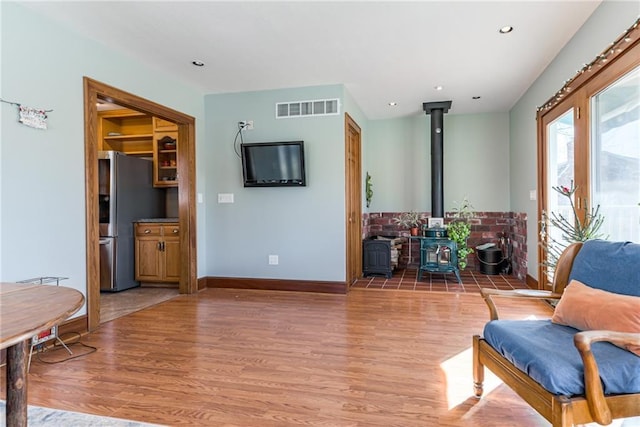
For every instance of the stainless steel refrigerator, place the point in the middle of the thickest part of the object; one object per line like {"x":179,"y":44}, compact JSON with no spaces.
{"x":126,"y":194}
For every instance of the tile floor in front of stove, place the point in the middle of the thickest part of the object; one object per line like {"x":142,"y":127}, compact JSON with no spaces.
{"x":407,"y":279}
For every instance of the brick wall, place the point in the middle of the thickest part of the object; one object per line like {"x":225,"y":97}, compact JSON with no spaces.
{"x":485,"y":227}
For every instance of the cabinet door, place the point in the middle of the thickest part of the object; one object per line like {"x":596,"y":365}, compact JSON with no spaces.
{"x":148,"y":259}
{"x":160,"y":125}
{"x":171,"y":259}
{"x":171,"y":252}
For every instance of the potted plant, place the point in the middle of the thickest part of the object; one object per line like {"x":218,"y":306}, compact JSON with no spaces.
{"x":410,"y":220}
{"x":459,"y":230}
{"x":570,"y":229}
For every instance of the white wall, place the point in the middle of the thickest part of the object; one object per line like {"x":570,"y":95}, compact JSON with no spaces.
{"x":304,"y":226}
{"x":606,"y":24}
{"x":42,"y":173}
{"x":476,"y":162}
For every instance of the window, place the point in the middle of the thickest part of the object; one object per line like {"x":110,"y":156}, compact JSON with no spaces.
{"x":589,"y":135}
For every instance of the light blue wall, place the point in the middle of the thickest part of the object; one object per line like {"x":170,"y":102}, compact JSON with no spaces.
{"x":42,"y":173}
{"x":605,"y":25}
{"x":476,"y":162}
{"x":304,"y":226}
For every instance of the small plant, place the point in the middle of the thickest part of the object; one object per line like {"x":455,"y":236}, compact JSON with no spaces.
{"x":408,"y":219}
{"x":573,"y":230}
{"x":368,"y":189}
{"x":459,"y":230}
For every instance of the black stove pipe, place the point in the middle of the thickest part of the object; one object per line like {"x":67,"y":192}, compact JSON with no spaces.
{"x":437,"y":111}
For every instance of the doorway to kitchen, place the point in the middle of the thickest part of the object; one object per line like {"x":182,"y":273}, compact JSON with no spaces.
{"x":94,"y":91}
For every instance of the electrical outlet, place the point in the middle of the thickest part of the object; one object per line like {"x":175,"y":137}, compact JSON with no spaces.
{"x":249,"y":125}
{"x":273,"y":259}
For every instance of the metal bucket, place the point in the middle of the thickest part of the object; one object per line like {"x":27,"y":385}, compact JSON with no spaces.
{"x":491,"y":260}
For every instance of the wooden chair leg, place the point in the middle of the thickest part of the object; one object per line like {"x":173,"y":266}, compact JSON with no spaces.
{"x":562,"y":412}
{"x":478,"y":368}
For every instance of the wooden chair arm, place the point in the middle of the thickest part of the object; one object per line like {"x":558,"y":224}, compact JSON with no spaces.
{"x":488,"y":294}
{"x":593,"y":386}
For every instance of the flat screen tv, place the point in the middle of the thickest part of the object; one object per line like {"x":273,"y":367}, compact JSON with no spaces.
{"x":273,"y":164}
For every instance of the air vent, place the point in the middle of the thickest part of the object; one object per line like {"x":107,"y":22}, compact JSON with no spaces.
{"x":318,"y":107}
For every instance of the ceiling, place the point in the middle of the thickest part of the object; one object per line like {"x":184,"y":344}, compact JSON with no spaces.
{"x":382,"y":51}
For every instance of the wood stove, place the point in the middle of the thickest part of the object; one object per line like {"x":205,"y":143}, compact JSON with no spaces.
{"x":439,"y":255}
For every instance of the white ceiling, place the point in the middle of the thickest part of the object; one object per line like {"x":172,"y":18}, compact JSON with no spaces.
{"x":381,"y":51}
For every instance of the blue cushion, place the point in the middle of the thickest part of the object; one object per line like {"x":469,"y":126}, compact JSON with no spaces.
{"x":545,"y":352}
{"x":610,"y":266}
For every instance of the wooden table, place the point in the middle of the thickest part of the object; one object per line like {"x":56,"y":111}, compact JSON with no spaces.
{"x":25,"y":310}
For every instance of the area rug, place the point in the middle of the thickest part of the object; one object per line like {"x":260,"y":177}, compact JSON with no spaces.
{"x":38,"y":416}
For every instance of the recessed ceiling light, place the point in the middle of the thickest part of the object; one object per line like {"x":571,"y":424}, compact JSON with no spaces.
{"x":438,"y":87}
{"x":393,"y":104}
{"x":475,"y":97}
{"x":505,"y":30}
{"x":198,"y":63}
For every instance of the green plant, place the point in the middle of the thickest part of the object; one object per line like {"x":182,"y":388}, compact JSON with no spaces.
{"x":459,"y":230}
{"x":408,"y":219}
{"x":572,"y":230}
{"x":368,"y":189}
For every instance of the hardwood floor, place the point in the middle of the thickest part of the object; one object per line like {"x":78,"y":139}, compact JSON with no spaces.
{"x":227,"y":357}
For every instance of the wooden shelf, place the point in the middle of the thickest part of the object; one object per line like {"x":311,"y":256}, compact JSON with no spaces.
{"x":165,"y":172}
{"x":133,"y":132}
{"x":128,"y":137}
{"x":140,"y":153}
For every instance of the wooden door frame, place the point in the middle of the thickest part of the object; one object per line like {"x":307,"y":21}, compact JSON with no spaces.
{"x":186,"y":187}
{"x":577,"y":95}
{"x":352,"y":200}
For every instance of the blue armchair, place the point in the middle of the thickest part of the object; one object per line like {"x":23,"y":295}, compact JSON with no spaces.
{"x":566,"y":374}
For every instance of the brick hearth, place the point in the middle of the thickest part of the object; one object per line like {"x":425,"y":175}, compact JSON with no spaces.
{"x":485,"y":227}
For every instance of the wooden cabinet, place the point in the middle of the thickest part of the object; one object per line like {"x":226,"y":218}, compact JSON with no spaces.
{"x":165,"y":153}
{"x":127,"y":131}
{"x":157,"y":252}
{"x":139,"y":134}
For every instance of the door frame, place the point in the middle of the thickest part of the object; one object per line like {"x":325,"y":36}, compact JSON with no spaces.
{"x":93,"y":90}
{"x":353,"y":201}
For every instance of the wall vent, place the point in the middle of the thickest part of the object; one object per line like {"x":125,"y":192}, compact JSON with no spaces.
{"x":318,"y":107}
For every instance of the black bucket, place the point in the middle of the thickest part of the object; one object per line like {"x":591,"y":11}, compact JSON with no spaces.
{"x":490,"y":260}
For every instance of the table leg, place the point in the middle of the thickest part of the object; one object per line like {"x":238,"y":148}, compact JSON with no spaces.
{"x":17,"y":385}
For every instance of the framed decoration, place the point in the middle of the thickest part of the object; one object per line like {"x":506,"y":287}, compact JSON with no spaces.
{"x":435,"y":222}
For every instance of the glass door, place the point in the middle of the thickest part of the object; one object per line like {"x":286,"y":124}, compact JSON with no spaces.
{"x":589,"y":155}
{"x":615,"y":157}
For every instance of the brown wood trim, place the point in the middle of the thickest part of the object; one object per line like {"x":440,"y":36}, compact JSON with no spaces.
{"x":78,"y":325}
{"x":277,"y":284}
{"x":600,"y":63}
{"x":202,"y":283}
{"x":531,"y":282}
{"x":186,"y":187}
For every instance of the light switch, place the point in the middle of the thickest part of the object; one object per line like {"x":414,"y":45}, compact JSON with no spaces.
{"x":532,"y":195}
{"x":200,"y":198}
{"x":225,"y":197}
